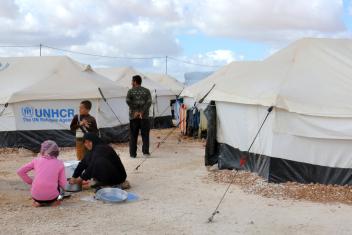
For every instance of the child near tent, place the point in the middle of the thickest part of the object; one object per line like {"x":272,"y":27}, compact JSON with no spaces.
{"x":83,"y":123}
{"x":49,"y":175}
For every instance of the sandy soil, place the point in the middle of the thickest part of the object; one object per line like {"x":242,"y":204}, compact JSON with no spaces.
{"x":174,"y":199}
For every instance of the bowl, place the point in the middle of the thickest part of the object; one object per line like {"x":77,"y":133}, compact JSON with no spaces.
{"x":112,"y":195}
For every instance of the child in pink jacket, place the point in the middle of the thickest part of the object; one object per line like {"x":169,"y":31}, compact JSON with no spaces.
{"x":49,"y":175}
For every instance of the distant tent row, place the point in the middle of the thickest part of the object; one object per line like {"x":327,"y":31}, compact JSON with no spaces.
{"x":308,"y":136}
{"x":161,"y":95}
{"x":167,"y":81}
{"x":40,"y":95}
{"x":194,"y":77}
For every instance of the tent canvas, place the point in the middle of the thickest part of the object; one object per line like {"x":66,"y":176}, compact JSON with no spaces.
{"x":194,"y":93}
{"x":308,"y":136}
{"x":43,"y":94}
{"x":172,"y":84}
{"x":167,"y":81}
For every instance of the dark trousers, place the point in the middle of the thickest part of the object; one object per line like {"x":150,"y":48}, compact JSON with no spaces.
{"x":135,"y":126}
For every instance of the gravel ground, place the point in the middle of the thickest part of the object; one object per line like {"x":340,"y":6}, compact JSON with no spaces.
{"x":254,"y":184}
{"x":177,"y":195}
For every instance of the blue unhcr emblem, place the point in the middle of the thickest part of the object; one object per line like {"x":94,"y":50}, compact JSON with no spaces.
{"x":27,"y":112}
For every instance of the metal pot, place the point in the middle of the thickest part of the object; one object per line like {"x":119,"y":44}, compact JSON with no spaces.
{"x":73,"y":187}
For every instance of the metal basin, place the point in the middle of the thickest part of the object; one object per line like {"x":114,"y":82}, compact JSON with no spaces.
{"x":73,"y":187}
{"x":112,"y":195}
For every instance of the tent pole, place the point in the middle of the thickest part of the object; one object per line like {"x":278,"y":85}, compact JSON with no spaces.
{"x":107,"y":103}
{"x":166,"y":65}
{"x":3,"y":110}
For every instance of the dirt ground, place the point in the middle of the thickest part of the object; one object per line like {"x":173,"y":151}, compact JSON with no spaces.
{"x":176,"y":197}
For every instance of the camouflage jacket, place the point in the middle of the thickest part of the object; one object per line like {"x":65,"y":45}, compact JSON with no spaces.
{"x":139,"y":99}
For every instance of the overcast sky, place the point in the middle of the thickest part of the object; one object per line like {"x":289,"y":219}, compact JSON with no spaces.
{"x":211,"y":32}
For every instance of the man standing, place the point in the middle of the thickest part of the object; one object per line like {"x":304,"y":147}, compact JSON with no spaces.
{"x":139,"y":101}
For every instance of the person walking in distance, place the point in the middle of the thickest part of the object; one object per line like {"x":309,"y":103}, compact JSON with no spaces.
{"x":139,"y":101}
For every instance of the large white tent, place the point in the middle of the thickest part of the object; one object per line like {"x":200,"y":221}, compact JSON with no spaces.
{"x":194,"y":93}
{"x":161,"y":109}
{"x":308,"y":136}
{"x":40,"y":95}
{"x":167,"y":81}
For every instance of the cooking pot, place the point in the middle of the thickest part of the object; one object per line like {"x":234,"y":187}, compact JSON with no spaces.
{"x":73,"y":187}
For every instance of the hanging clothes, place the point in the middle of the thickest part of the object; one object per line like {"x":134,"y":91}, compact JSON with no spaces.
{"x":203,"y":125}
{"x":193,"y":118}
{"x":183,"y":119}
{"x":189,"y":124}
{"x":196,"y":119}
{"x":177,"y":110}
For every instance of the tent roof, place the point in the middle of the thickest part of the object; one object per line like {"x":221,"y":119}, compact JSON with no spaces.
{"x":310,"y":76}
{"x":167,"y":81}
{"x":228,"y":72}
{"x":51,"y":77}
{"x":123,"y":76}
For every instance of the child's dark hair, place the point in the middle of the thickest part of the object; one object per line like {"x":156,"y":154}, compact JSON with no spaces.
{"x":87,"y":104}
{"x":137,"y":79}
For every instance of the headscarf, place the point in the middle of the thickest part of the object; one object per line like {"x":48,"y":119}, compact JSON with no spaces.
{"x":92,"y":137}
{"x":49,"y":149}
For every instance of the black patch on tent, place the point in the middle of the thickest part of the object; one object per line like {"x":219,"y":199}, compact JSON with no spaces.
{"x":64,"y":138}
{"x":229,"y":158}
{"x":119,"y":134}
{"x":32,"y":139}
{"x":279,"y":170}
{"x":161,"y":122}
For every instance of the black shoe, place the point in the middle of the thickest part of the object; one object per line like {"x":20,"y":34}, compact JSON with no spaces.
{"x":133,"y":156}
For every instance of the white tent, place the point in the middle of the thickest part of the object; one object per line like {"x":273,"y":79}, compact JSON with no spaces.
{"x":161,"y":109}
{"x":308,"y":136}
{"x":194,"y":93}
{"x":43,"y":93}
{"x":167,"y":81}
{"x":194,"y":77}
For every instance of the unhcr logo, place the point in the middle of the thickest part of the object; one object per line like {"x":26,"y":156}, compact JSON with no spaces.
{"x":27,"y":112}
{"x":51,"y":115}
{"x":54,"y":113}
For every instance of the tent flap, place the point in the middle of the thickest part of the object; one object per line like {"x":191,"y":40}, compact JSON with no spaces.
{"x":211,"y":145}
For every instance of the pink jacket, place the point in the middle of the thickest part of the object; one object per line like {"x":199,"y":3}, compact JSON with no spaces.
{"x":49,"y":174}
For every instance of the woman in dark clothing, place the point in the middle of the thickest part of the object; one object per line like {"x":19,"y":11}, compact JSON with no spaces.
{"x":100,"y":163}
